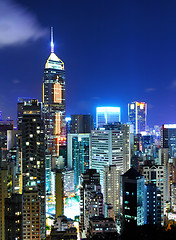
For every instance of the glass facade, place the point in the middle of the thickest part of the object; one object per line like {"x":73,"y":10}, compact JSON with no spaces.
{"x":137,"y":116}
{"x":53,"y":113}
{"x":168,"y":138}
{"x":78,"y":154}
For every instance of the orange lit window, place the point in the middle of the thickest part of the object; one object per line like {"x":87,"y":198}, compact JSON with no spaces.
{"x":57,"y":93}
{"x":57,"y":123}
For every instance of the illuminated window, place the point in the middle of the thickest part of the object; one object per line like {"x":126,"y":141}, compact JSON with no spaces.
{"x":57,"y":93}
{"x":132,"y":106}
{"x":141,"y":106}
{"x":57,"y":123}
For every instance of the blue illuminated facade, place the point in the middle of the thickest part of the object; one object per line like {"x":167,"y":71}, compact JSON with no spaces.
{"x":107,"y":115}
{"x":78,"y":151}
{"x":137,"y":116}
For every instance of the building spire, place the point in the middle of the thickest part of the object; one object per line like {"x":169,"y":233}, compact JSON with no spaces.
{"x":52,"y":41}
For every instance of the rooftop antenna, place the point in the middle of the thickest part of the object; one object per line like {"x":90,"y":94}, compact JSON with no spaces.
{"x":52,"y":41}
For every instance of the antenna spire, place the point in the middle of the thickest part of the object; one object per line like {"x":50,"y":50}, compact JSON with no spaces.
{"x":52,"y":41}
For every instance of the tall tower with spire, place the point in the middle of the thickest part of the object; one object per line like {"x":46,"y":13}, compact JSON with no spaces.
{"x":54,"y":110}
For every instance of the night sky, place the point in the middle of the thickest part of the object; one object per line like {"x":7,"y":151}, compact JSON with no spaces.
{"x":114,"y":51}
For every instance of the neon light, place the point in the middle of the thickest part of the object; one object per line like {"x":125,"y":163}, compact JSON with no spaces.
{"x":57,"y":123}
{"x":57,"y":146}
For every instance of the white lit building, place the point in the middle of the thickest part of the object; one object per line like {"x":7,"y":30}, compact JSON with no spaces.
{"x":173,"y":197}
{"x":106,"y":115}
{"x":110,"y":147}
{"x":111,"y":186}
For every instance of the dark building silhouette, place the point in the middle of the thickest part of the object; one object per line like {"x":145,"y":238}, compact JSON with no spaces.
{"x":14,"y":217}
{"x":168,"y":138}
{"x":133,"y":197}
{"x":153,"y":204}
{"x":81,"y":123}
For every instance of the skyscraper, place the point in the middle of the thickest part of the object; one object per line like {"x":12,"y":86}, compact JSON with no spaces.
{"x":137,"y":116}
{"x":168,"y":138}
{"x":107,"y":115}
{"x":156,"y":174}
{"x":111,"y":147}
{"x":14,"y":217}
{"x":133,"y":196}
{"x":33,"y":165}
{"x":78,"y":154}
{"x":54,"y":107}
{"x":3,"y":195}
{"x":81,"y":123}
{"x":59,"y":193}
{"x":111,"y":186}
{"x":91,"y":198}
{"x":153,"y":206}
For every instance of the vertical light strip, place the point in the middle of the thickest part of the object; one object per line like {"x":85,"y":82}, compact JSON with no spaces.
{"x":136,"y":115}
{"x":57,"y":123}
{"x":57,"y":93}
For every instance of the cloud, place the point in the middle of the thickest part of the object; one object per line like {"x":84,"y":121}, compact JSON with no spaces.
{"x":150,"y":89}
{"x":17,"y":24}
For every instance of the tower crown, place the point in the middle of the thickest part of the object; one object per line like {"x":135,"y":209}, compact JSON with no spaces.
{"x":53,"y":61}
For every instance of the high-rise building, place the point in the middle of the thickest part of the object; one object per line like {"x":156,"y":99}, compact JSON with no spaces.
{"x":78,"y":154}
{"x":173,"y":197}
{"x":32,"y":213}
{"x":4,"y":127}
{"x":20,"y":105}
{"x":54,"y":107}
{"x":111,"y":187}
{"x":59,"y":186}
{"x":168,"y":138}
{"x":33,"y":168}
{"x":81,"y":123}
{"x":14,"y":147}
{"x":111,"y":147}
{"x":107,"y":115}
{"x":14,"y":217}
{"x":69,"y":182}
{"x":133,"y":197}
{"x":156,"y":174}
{"x":91,"y":198}
{"x":3,"y":195}
{"x":137,"y":116}
{"x":153,"y":204}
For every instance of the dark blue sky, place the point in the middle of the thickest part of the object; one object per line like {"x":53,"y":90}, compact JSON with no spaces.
{"x":114,"y":52}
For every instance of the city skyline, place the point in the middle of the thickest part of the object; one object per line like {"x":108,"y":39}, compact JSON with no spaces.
{"x":127,"y":45}
{"x":91,"y":152}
